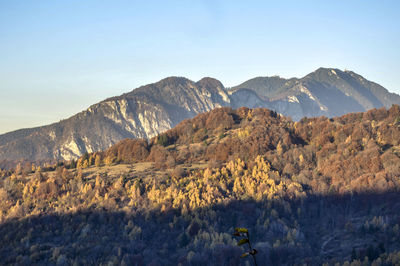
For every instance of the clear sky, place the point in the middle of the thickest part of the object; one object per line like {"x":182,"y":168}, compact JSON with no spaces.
{"x":59,"y":57}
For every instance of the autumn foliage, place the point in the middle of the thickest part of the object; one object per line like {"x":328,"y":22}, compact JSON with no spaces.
{"x":297,"y":186}
{"x":354,"y":153}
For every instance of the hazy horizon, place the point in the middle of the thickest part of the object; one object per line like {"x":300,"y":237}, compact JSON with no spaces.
{"x":58,"y":58}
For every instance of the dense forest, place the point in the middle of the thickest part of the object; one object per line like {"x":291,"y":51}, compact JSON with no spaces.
{"x":316,"y":192}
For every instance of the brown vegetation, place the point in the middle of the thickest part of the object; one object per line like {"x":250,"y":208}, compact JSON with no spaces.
{"x":308,"y":191}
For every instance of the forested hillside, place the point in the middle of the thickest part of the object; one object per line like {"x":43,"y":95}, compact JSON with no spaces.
{"x":317,"y":191}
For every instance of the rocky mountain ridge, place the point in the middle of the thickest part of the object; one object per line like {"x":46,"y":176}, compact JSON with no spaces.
{"x":142,"y":113}
{"x":155,"y":108}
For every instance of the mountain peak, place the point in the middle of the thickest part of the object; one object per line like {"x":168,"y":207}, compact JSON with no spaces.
{"x":173,"y":80}
{"x":323,"y":72}
{"x":210,"y":82}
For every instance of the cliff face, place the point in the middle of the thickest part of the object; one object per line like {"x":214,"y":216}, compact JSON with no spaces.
{"x":155,"y":108}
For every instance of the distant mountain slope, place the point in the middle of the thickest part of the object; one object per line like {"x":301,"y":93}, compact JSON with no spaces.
{"x":154,"y":108}
{"x":266,"y":87}
{"x":327,"y":91}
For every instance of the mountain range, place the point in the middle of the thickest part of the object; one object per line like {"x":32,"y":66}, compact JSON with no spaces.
{"x":154,"y":108}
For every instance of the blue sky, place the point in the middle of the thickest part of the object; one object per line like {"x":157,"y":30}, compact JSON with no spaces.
{"x":59,"y":57}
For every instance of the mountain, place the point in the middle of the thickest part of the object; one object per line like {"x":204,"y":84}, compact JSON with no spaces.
{"x":327,"y":91}
{"x":142,"y":113}
{"x":155,"y":108}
